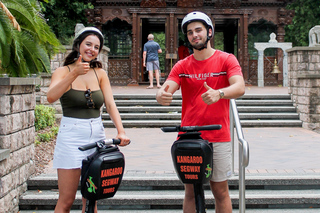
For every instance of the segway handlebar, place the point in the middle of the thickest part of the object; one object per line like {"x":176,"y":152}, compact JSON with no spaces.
{"x":191,"y":128}
{"x":113,"y":141}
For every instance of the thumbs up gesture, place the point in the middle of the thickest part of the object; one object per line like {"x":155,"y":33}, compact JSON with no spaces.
{"x":164,"y":97}
{"x":81,"y":68}
{"x":210,"y":96}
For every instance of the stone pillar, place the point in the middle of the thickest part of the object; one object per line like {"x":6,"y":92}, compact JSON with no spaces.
{"x":260,"y":69}
{"x":304,"y":84}
{"x":17,"y":135}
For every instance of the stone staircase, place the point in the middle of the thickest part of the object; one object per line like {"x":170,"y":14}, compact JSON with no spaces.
{"x":155,"y":193}
{"x":264,"y":110}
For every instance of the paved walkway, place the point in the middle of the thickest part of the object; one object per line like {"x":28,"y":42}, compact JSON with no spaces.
{"x":272,"y":150}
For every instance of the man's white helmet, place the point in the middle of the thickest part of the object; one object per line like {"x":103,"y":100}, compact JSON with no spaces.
{"x":195,"y":16}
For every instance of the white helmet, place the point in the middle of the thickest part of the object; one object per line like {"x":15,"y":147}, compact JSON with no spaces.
{"x":80,"y":29}
{"x":195,"y":16}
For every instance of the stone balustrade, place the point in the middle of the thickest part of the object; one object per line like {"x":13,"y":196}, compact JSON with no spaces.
{"x":304,"y":84}
{"x":17,"y":135}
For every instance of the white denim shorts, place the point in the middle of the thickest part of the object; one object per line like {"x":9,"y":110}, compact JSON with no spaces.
{"x":75,"y":132}
{"x":221,"y":161}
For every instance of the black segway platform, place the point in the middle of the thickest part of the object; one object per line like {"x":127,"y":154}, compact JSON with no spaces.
{"x":192,"y":159}
{"x":101,"y":172}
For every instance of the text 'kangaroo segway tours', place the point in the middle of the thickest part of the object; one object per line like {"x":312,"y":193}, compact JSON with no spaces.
{"x":192,"y":159}
{"x":101,"y":172}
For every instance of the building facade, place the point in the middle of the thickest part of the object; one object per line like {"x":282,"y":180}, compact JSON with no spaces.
{"x":239,"y":23}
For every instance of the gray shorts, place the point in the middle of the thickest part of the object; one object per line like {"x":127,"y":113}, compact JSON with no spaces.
{"x":152,"y":65}
{"x":221,"y":161}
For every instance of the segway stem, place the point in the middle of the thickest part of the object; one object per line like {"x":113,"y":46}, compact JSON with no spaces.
{"x":199,"y":197}
{"x":90,"y":205}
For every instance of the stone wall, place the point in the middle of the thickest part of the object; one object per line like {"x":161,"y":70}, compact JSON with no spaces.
{"x":17,"y":135}
{"x":304,"y":84}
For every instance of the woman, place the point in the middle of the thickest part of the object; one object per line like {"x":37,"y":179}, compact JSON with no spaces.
{"x":82,"y":87}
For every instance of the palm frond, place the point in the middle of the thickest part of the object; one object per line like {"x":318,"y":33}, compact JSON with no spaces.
{"x":36,"y":57}
{"x":27,"y":51}
{"x":5,"y":39}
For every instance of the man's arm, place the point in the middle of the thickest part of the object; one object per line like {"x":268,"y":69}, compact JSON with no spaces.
{"x":165,"y":93}
{"x":235,"y":90}
{"x":144,"y":58}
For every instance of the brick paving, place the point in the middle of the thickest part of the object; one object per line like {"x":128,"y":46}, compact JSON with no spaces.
{"x":271,"y":150}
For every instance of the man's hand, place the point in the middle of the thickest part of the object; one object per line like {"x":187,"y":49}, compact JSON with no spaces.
{"x":164,"y":97}
{"x":210,"y":96}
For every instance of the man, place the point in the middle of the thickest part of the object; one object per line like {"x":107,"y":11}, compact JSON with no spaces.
{"x":208,"y":78}
{"x":150,"y":53}
{"x":183,"y":51}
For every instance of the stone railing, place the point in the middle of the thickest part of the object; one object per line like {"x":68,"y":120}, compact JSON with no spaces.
{"x":17,"y":135}
{"x":304,"y":84}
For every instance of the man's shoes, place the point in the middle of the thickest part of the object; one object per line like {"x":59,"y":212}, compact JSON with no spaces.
{"x":149,"y":87}
{"x":159,"y":87}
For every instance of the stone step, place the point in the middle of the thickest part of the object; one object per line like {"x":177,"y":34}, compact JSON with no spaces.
{"x":164,"y":193}
{"x":172,"y":198}
{"x":164,"y":123}
{"x":178,"y":96}
{"x":133,"y":181}
{"x":153,"y":102}
{"x":177,"y":115}
{"x":299,"y":210}
{"x":172,"y":109}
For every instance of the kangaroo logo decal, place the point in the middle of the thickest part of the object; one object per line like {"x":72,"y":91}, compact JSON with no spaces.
{"x":91,"y":187}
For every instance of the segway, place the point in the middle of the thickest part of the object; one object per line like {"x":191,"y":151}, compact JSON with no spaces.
{"x":192,"y":159}
{"x":101,"y":172}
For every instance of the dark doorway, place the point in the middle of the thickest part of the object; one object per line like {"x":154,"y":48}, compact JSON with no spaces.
{"x":155,"y":26}
{"x":227,"y":30}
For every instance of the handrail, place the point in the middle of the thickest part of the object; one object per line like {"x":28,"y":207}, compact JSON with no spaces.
{"x":243,"y":152}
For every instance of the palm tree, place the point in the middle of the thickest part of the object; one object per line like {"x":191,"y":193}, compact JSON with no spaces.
{"x":27,"y":51}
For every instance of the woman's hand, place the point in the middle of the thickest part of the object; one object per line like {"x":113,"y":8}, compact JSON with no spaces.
{"x":124,"y":139}
{"x":81,"y":68}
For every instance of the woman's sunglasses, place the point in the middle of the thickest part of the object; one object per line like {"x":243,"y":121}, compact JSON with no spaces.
{"x":88,"y":96}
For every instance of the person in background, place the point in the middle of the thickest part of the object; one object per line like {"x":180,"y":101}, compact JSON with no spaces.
{"x":183,"y":50}
{"x":151,"y":60}
{"x":82,"y":87}
{"x":208,"y":79}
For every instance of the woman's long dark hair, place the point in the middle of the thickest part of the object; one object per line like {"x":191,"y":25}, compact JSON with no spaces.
{"x":75,"y":52}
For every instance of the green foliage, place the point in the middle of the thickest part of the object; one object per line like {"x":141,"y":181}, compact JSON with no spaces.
{"x":45,"y":120}
{"x":44,"y":116}
{"x":62,"y":17}
{"x":218,"y":41}
{"x":307,"y":15}
{"x":27,"y":51}
{"x":260,"y":32}
{"x":44,"y":137}
{"x":54,"y":130}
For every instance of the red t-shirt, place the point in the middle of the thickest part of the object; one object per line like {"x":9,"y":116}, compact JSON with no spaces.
{"x":183,"y":52}
{"x":190,"y":74}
